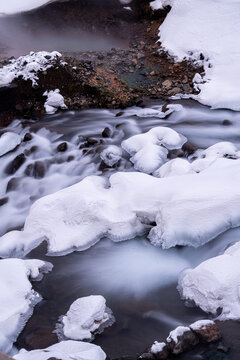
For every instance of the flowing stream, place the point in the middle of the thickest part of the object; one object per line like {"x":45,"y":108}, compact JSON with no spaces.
{"x":138,"y":280}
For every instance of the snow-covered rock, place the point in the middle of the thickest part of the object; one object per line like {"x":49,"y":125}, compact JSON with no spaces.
{"x":111,"y":155}
{"x":65,"y":350}
{"x":28,"y":66}
{"x":86,"y":317}
{"x":190,"y":209}
{"x":215,"y":284}
{"x":194,"y":29}
{"x":160,"y":4}
{"x":206,"y":330}
{"x":17,"y":298}
{"x":54,"y":101}
{"x":181,"y":339}
{"x":157,"y":347}
{"x":149,"y":151}
{"x":8,"y":142}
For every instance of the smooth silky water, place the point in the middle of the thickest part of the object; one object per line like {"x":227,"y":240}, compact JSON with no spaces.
{"x":138,"y":280}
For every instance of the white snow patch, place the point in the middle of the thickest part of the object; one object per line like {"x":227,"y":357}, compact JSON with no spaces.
{"x":8,"y":142}
{"x":211,"y":28}
{"x":111,"y":155}
{"x":176,"y":333}
{"x":157,"y":347}
{"x":86,"y":317}
{"x":149,"y":151}
{"x":54,"y":101}
{"x":65,"y":350}
{"x":160,"y":4}
{"x":201,"y":324}
{"x":28,"y":66}
{"x":215,"y":284}
{"x":17,"y":298}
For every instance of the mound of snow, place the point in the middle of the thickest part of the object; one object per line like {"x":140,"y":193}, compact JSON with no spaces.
{"x":197,"y":29}
{"x":149,"y":151}
{"x":28,"y":66}
{"x":17,"y":298}
{"x":87,"y":316}
{"x":54,"y":101}
{"x":8,"y":142}
{"x":160,"y":4}
{"x":65,"y":350}
{"x":190,"y":209}
{"x":111,"y":155}
{"x":215,"y":284}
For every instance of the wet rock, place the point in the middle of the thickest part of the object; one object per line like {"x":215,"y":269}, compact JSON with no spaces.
{"x":174,"y":91}
{"x":36,"y":170}
{"x":223,"y":348}
{"x":88,"y":143}
{"x":226,"y":122}
{"x":27,"y":137}
{"x":62,"y":147}
{"x":3,"y":201}
{"x":15,"y":164}
{"x":51,"y":358}
{"x":160,"y":351}
{"x":181,"y":339}
{"x":120,"y":113}
{"x":106,"y":132}
{"x":206,"y":330}
{"x":13,"y":184}
{"x":189,"y":148}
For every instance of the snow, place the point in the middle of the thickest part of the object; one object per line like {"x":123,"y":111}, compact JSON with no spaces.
{"x":149,"y":151}
{"x":86,"y":317}
{"x":211,"y":28}
{"x":54,"y":101}
{"x":178,"y":332}
{"x":65,"y":350}
{"x":111,"y":155}
{"x":157,"y":347}
{"x":8,"y":142}
{"x":28,"y":66}
{"x":201,"y":324}
{"x":215,"y":284}
{"x":17,"y":298}
{"x":189,"y":209}
{"x":160,"y":4}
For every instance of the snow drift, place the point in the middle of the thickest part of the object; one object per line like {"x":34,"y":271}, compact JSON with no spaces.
{"x":17,"y":298}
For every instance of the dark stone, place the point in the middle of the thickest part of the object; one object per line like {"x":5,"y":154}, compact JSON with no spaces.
{"x":13,"y":184}
{"x":3,"y":201}
{"x":53,"y":358}
{"x":226,"y":122}
{"x":15,"y":164}
{"x":88,"y":143}
{"x":106,"y":132}
{"x":208,"y":333}
{"x":36,"y":170}
{"x":223,"y":348}
{"x":62,"y":147}
{"x":189,"y":148}
{"x":120,"y":113}
{"x":27,"y":137}
{"x":184,"y":343}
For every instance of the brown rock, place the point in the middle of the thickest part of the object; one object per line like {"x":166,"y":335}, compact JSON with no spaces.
{"x":181,"y":339}
{"x":206,"y":330}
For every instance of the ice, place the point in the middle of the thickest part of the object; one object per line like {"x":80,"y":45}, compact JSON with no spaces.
{"x":54,"y":101}
{"x":28,"y":66}
{"x":215,"y":284}
{"x":17,"y":298}
{"x":65,"y":350}
{"x":190,"y":209}
{"x":149,"y":151}
{"x":111,"y":155}
{"x":86,"y":317}
{"x":195,"y":30}
{"x":8,"y":142}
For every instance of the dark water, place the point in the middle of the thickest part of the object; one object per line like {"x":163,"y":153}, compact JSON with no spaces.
{"x":138,"y":280}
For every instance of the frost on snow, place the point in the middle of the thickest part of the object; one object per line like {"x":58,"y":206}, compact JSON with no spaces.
{"x":65,"y":350}
{"x":8,"y":142}
{"x":195,"y":27}
{"x":149,"y":151}
{"x":54,"y":101}
{"x":190,"y":209}
{"x":17,"y":298}
{"x":28,"y":66}
{"x":215,"y":284}
{"x":86,"y":317}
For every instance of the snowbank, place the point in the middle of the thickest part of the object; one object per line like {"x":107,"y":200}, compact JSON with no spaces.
{"x":215,"y":284}
{"x":8,"y":142}
{"x":86,"y":317}
{"x":54,"y":101}
{"x":190,"y":209}
{"x":208,"y":30}
{"x":28,"y":66}
{"x":149,"y":151}
{"x":17,"y":298}
{"x":65,"y":350}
